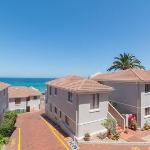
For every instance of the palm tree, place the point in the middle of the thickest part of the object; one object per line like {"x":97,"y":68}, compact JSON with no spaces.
{"x":125,"y":61}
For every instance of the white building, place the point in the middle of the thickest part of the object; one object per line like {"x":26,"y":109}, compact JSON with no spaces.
{"x":23,"y":99}
{"x":3,"y":98}
{"x":78,"y":105}
{"x":131,"y":93}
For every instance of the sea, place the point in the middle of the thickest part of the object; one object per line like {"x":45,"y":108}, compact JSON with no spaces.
{"x":38,"y":83}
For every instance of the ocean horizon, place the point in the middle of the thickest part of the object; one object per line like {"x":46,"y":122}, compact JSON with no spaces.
{"x":38,"y":83}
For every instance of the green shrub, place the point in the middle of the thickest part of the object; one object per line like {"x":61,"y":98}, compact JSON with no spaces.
{"x":110,"y":125}
{"x":3,"y":140}
{"x":7,"y":125}
{"x":115,"y":136}
{"x":133,"y":125}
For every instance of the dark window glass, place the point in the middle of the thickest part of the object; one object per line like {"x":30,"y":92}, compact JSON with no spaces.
{"x":55,"y":110}
{"x":17,"y":101}
{"x":67,"y":120}
{"x":55,"y":91}
{"x":147,"y":88}
{"x":70,"y":97}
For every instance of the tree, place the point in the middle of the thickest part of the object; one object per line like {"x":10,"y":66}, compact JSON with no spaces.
{"x":125,"y":61}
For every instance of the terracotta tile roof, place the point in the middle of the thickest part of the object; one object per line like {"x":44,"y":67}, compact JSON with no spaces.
{"x":21,"y":91}
{"x":3,"y":85}
{"x":129,"y":75}
{"x":79,"y":85}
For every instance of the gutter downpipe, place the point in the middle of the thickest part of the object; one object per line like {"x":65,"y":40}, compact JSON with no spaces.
{"x":139,"y":101}
{"x":77,"y":115}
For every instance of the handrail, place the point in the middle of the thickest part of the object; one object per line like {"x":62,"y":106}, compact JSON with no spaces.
{"x":114,"y":111}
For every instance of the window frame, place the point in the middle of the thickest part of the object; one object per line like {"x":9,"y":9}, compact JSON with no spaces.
{"x":95,"y":101}
{"x":147,"y":88}
{"x":70,"y":97}
{"x":51,"y":107}
{"x":147,"y":113}
{"x":55,"y":110}
{"x":60,"y":114}
{"x":28,"y":99}
{"x":56,"y":91}
{"x":67,"y":120}
{"x":17,"y":99}
{"x":35,"y":97}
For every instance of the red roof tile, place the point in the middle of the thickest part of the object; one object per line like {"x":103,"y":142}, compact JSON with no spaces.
{"x":79,"y":85}
{"x":129,"y":75}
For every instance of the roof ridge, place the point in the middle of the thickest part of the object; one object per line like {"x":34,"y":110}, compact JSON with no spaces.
{"x":82,"y":82}
{"x":136,"y":74}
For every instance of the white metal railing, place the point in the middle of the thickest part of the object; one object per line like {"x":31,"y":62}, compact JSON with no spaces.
{"x":118,"y":117}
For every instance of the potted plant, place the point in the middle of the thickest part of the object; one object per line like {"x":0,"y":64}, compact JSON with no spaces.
{"x":146,"y":126}
{"x":87,"y":137}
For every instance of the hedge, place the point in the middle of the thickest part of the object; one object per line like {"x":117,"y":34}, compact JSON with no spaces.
{"x":7,"y":126}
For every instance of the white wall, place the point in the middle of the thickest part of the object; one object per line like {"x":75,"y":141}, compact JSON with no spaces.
{"x":3,"y":101}
{"x":13,"y":106}
{"x":67,"y":108}
{"x":33,"y":103}
{"x":90,"y":120}
{"x":82,"y":120}
{"x":131,"y":98}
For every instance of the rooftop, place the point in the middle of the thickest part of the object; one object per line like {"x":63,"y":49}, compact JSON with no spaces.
{"x":3,"y":85}
{"x":129,"y":75}
{"x":79,"y":85}
{"x":21,"y":92}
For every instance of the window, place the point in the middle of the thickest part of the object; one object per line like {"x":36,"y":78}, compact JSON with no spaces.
{"x":55,"y":110}
{"x":70,"y":97}
{"x":28,"y":99}
{"x":17,"y":101}
{"x":147,"y":88}
{"x":60,"y":114}
{"x":147,"y":111}
{"x":66,"y":120}
{"x":55,"y":91}
{"x":51,"y":107}
{"x":95,"y":101}
{"x":50,"y":90}
{"x":34,"y":97}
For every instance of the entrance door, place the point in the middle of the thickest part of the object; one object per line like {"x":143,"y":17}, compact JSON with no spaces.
{"x":28,"y":109}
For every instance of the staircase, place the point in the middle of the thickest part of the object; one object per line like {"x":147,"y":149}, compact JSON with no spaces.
{"x":114,"y":114}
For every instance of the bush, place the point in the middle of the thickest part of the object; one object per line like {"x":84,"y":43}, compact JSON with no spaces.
{"x":3,"y":140}
{"x":7,"y":125}
{"x":115,"y":136}
{"x":146,"y":126}
{"x":110,"y":125}
{"x":133,"y":125}
{"x":87,"y":137}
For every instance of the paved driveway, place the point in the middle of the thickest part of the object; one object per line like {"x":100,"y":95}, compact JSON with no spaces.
{"x":34,"y":134}
{"x":114,"y":147}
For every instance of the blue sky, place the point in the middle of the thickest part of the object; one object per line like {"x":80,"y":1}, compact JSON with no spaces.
{"x":47,"y":38}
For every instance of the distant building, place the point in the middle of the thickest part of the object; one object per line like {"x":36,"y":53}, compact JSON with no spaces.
{"x":3,"y":98}
{"x":78,"y":105}
{"x":23,"y":99}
